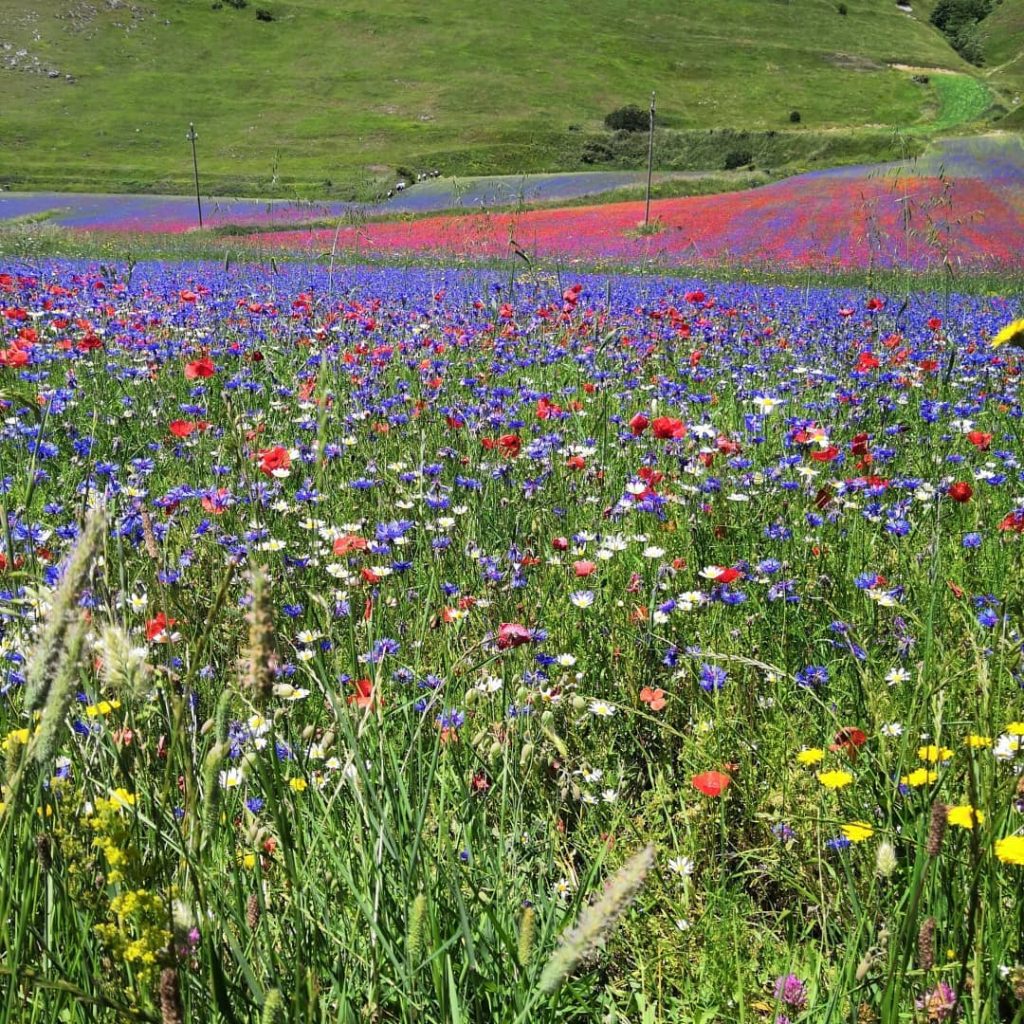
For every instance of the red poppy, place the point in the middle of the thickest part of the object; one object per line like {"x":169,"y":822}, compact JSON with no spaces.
{"x":271,"y":459}
{"x":1014,"y":522}
{"x":826,"y":454}
{"x":726,"y":575}
{"x":848,"y":738}
{"x":866,"y":361}
{"x":584,"y":568}
{"x":364,"y":695}
{"x":979,"y":439}
{"x":546,"y":409}
{"x":200,"y":368}
{"x":182,"y":428}
{"x":654,"y":699}
{"x":960,"y":491}
{"x":576,"y":462}
{"x":509,"y":445}
{"x":511,"y":634}
{"x":560,"y":543}
{"x":157,"y":628}
{"x":369,"y":575}
{"x":349,"y":542}
{"x":711,"y":783}
{"x":669,"y":429}
{"x":638,"y":424}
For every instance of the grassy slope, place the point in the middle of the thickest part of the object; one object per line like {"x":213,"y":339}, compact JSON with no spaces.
{"x":1002,"y":33}
{"x":345,"y":91}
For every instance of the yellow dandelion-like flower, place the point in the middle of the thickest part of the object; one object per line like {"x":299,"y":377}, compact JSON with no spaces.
{"x":857,"y":831}
{"x":1015,"y":728}
{"x":976,"y":742}
{"x":1011,"y":850}
{"x":297,"y":784}
{"x":919,"y":777}
{"x":835,"y":779}
{"x":120,"y":797}
{"x":813,"y":755}
{"x":1011,"y":334}
{"x":964,"y":816}
{"x":933,"y":753}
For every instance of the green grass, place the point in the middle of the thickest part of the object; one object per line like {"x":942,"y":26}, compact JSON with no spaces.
{"x":961,"y":99}
{"x":331,"y":98}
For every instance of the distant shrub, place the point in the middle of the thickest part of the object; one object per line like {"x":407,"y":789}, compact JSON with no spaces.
{"x":595,"y":151}
{"x":629,"y":119}
{"x":262,"y":14}
{"x":237,"y":4}
{"x":842,"y":9}
{"x":794,"y":117}
{"x":736,"y":158}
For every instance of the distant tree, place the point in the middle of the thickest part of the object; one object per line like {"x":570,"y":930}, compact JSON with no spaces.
{"x":949,"y":16}
{"x":958,"y":21}
{"x":628,"y":119}
{"x":842,"y":9}
{"x":794,"y":117}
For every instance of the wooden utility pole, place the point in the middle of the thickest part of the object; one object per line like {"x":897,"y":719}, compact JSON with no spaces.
{"x":191,"y":136}
{"x":650,"y":164}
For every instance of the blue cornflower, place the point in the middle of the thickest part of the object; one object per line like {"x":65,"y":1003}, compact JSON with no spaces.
{"x":712,"y":677}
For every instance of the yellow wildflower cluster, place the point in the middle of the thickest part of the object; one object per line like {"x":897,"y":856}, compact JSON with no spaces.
{"x":139,"y":934}
{"x":112,"y":828}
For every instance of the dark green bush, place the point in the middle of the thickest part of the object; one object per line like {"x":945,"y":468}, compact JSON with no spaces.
{"x":736,"y":158}
{"x":629,"y":119}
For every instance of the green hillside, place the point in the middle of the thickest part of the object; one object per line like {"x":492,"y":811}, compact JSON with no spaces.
{"x":328,"y":96}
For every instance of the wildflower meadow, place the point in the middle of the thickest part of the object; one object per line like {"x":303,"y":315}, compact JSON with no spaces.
{"x":435,"y":645}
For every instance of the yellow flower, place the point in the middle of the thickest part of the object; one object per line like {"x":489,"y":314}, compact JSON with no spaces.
{"x":297,"y":784}
{"x":102,"y":709}
{"x":1015,"y":728}
{"x":835,"y":779}
{"x":120,"y":797}
{"x":1011,"y":850}
{"x":964,"y":816}
{"x":249,"y":861}
{"x":857,"y":831}
{"x":1011,"y":334}
{"x":932,"y":753}
{"x":813,"y":755}
{"x":919,"y":777}
{"x":976,"y":742}
{"x":16,"y":737}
